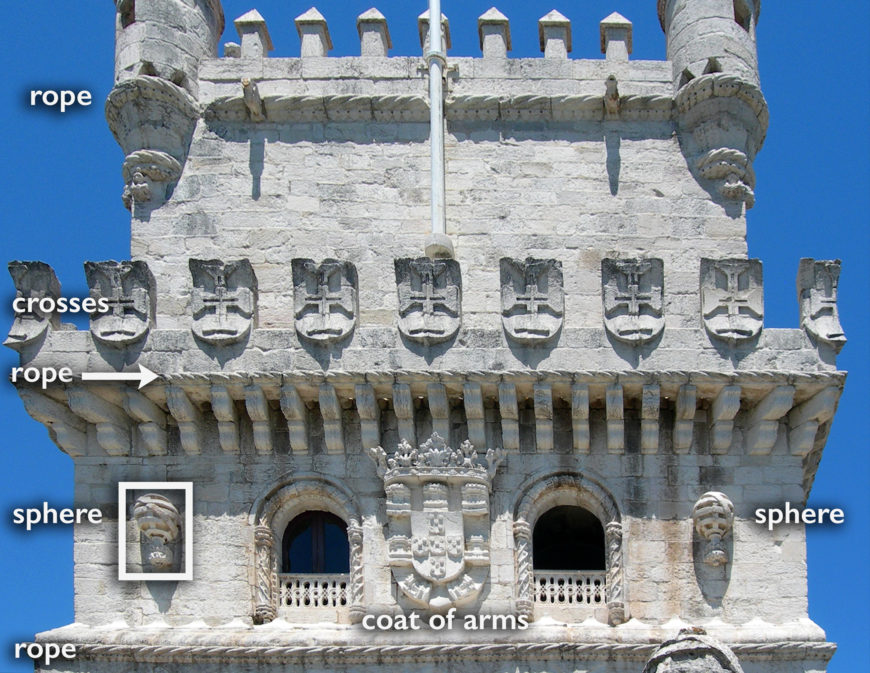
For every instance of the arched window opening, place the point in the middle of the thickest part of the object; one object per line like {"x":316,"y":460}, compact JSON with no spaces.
{"x":743,"y":14}
{"x":315,"y":542}
{"x":568,"y":538}
{"x":568,"y":557}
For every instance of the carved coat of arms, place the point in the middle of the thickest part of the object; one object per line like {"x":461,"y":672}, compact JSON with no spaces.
{"x":128,"y":288}
{"x":430,"y":298}
{"x":532,"y":299}
{"x":633,"y":294}
{"x":33,"y":280}
{"x":224,"y":300}
{"x":817,"y":293}
{"x":439,"y":521}
{"x":325,"y":299}
{"x":732,"y":298}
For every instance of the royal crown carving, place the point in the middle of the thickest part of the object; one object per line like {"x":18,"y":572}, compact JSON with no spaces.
{"x":33,"y":280}
{"x":128,"y":289}
{"x":732,"y":298}
{"x":818,"y":282}
{"x":438,"y":511}
{"x":532,"y":299}
{"x":325,"y":299}
{"x":633,"y":294}
{"x":430,"y":299}
{"x":224,"y":300}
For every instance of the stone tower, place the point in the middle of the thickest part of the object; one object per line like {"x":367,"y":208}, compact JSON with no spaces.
{"x":552,"y":434}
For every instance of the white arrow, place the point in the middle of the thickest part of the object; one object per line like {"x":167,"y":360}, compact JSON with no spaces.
{"x":145,"y":376}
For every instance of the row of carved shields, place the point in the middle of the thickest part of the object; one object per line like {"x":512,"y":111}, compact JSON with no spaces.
{"x":326,"y":303}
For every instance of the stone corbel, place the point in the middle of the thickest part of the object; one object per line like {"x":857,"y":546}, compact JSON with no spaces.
{"x":725,"y":119}
{"x":149,"y":178}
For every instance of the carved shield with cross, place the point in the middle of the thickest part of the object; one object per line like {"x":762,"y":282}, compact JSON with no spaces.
{"x":33,"y":280}
{"x":224,"y":300}
{"x":732,"y":298}
{"x":633,"y":294}
{"x":325,"y":299}
{"x":532,"y":300}
{"x":817,"y":291}
{"x":128,"y":288}
{"x":430,"y":298}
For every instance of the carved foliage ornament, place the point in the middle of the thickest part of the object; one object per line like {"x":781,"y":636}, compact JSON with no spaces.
{"x":439,"y":522}
{"x":33,"y":280}
{"x":325,"y":299}
{"x":732,"y":298}
{"x":532,"y":299}
{"x":713,"y":516}
{"x":818,"y":281}
{"x":430,"y":299}
{"x":693,"y":651}
{"x":128,"y":288}
{"x":224,"y":300}
{"x":633,"y":294}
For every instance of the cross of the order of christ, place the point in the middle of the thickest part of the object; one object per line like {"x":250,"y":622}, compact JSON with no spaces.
{"x":634,"y":299}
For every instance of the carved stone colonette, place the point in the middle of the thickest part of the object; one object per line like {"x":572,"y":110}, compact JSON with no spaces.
{"x":326,"y":304}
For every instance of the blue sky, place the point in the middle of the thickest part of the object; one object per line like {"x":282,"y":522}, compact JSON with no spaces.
{"x":60,"y":200}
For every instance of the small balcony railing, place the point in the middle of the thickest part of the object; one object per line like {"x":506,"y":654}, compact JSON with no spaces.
{"x":568,"y":587}
{"x":307,"y":591}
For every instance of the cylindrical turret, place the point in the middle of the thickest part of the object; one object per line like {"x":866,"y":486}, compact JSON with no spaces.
{"x":706,"y":36}
{"x":166,"y":39}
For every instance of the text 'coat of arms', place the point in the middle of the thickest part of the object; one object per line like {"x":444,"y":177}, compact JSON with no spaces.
{"x":633,"y":294}
{"x":732,"y":298}
{"x":33,"y":280}
{"x":532,"y":299}
{"x":817,"y":293}
{"x":224,"y":300}
{"x":439,"y":520}
{"x":128,"y":288}
{"x":325,"y":299}
{"x":430,"y":298}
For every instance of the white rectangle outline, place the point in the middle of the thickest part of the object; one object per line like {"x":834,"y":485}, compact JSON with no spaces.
{"x":123,"y":487}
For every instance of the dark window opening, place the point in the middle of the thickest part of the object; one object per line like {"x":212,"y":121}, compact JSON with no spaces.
{"x":315,"y":542}
{"x":743,"y":14}
{"x":568,"y":538}
{"x":127,"y":12}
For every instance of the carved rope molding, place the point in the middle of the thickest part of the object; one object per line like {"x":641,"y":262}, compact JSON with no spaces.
{"x":784,"y":650}
{"x":835,"y":378}
{"x":415,"y":108}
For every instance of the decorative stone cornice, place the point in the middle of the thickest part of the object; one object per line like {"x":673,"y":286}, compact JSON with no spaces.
{"x":411,"y":107}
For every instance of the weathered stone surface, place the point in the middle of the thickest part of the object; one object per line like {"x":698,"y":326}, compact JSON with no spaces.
{"x":325,"y":299}
{"x":532,"y":300}
{"x":224,"y":300}
{"x":33,"y":280}
{"x":129,"y":290}
{"x":732,"y":298}
{"x":430,"y":299}
{"x":633,"y":295}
